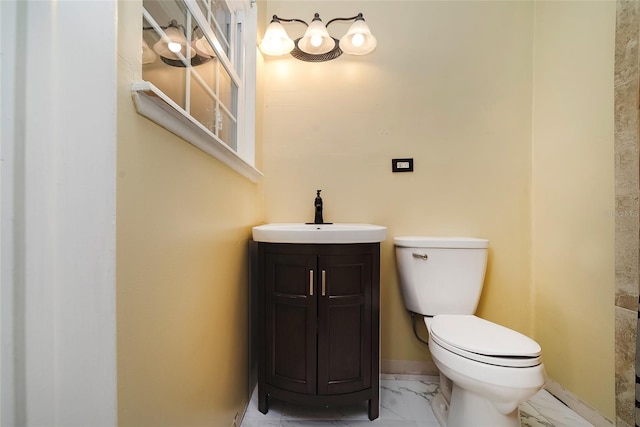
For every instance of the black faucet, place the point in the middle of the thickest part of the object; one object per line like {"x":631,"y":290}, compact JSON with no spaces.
{"x":318,"y":203}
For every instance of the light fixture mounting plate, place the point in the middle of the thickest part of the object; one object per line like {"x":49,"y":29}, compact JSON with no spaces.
{"x":323,"y":57}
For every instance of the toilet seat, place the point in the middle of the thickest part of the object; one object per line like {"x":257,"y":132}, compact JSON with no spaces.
{"x":483,"y":341}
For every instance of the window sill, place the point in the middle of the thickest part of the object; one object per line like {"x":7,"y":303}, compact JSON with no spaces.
{"x":159,"y":108}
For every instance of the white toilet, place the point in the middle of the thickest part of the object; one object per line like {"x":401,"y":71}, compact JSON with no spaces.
{"x":486,"y":370}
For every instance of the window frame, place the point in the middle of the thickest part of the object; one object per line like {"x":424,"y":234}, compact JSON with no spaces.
{"x":154,"y":104}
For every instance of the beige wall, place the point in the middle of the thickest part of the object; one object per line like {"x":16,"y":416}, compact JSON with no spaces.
{"x":183,"y":221}
{"x":573,"y":197}
{"x":450,"y":85}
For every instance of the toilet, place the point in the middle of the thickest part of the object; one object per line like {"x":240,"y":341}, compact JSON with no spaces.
{"x":486,"y":370}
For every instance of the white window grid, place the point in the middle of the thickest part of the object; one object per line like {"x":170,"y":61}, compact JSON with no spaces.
{"x":193,"y":12}
{"x":212,"y":18}
{"x":154,"y":104}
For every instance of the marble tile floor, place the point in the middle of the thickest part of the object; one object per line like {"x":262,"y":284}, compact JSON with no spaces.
{"x":405,"y":401}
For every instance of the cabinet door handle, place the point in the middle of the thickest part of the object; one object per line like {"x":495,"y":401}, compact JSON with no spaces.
{"x":324,"y":282}
{"x":310,"y":283}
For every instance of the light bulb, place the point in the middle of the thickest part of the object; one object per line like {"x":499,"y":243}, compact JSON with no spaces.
{"x":357,"y":39}
{"x":316,"y":40}
{"x":276,"y":41}
{"x":174,"y":47}
{"x":276,"y":44}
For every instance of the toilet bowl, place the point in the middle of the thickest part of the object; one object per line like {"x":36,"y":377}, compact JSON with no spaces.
{"x":486,"y":370}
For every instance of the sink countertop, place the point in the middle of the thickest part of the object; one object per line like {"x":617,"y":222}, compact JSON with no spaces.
{"x":319,"y":233}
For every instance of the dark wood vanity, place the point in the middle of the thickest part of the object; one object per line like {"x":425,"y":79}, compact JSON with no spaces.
{"x":318,"y":323}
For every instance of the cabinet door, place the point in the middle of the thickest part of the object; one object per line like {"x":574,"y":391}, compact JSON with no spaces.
{"x":291,"y":313}
{"x":344,"y":323}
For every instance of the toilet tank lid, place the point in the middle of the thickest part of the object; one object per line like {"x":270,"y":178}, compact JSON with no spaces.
{"x":441,"y":242}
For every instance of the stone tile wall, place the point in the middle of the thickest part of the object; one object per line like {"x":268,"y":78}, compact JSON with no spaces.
{"x":627,"y":239}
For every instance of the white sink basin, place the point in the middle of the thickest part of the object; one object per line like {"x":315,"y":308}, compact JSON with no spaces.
{"x":319,"y":233}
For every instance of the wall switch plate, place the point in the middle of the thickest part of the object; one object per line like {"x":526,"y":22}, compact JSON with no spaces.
{"x":402,"y":165}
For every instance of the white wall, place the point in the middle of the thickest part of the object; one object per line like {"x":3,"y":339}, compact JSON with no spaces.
{"x":8,"y":30}
{"x":58,"y":213}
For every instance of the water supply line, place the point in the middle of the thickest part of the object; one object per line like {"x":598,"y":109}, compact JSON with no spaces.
{"x":415,"y":331}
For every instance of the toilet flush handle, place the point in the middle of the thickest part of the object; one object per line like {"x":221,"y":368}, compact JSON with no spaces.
{"x":421,"y":256}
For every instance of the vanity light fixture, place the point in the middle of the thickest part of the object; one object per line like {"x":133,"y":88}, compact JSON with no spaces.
{"x":317,"y":45}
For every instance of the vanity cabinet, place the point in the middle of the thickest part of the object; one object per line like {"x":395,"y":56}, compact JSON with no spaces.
{"x":318,"y":323}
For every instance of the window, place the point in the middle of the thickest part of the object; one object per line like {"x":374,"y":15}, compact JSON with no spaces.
{"x":198,"y":71}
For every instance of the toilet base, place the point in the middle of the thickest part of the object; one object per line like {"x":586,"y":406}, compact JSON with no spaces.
{"x":470,"y":410}
{"x":440,"y":409}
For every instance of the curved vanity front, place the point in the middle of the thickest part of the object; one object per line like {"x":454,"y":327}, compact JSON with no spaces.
{"x":318,"y":316}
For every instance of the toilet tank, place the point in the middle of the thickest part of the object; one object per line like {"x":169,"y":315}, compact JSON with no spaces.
{"x":441,"y":275}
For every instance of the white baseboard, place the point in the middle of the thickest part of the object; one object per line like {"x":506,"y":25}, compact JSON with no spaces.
{"x":414,"y":367}
{"x":578,"y":406}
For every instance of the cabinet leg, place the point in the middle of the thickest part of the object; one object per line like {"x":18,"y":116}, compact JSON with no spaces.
{"x":263,"y":401}
{"x":374,"y":408}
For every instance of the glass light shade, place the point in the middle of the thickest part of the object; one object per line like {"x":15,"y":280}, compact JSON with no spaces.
{"x":276,"y":41}
{"x":148,"y":55}
{"x":203,"y":48}
{"x":358,"y":40}
{"x":177,"y":43}
{"x":316,"y":39}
